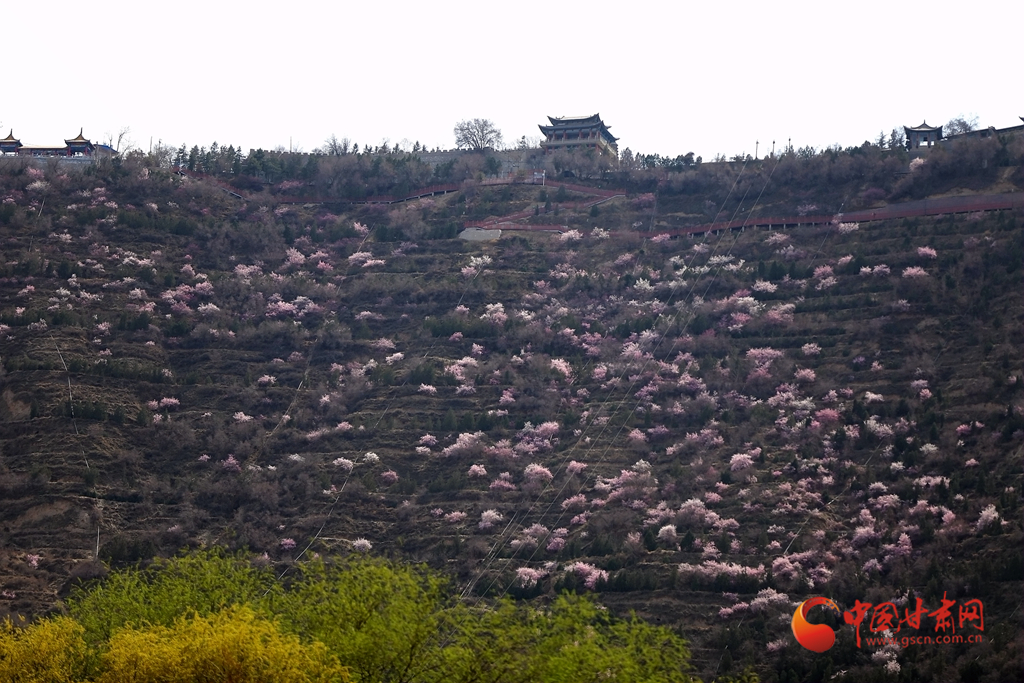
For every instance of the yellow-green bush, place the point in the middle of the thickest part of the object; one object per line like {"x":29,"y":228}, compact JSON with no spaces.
{"x":573,"y":639}
{"x":203,"y":582}
{"x":235,"y":645}
{"x":50,"y":650}
{"x":381,"y":619}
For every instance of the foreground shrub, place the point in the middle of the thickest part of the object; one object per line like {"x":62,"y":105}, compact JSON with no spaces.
{"x":234,"y":645}
{"x":51,"y":650}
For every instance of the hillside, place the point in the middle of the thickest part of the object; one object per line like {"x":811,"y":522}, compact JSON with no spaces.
{"x":702,"y":430}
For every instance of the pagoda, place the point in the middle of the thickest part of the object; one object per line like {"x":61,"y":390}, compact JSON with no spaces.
{"x":10,"y":144}
{"x":79,"y":145}
{"x":579,"y":132}
{"x":923,"y":135}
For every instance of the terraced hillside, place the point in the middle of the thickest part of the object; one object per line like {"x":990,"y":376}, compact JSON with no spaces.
{"x":703,"y":430}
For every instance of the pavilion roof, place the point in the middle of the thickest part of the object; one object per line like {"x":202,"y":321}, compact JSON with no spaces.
{"x":594,"y":121}
{"x":10,"y":137}
{"x":924,"y":128}
{"x":80,"y":138}
{"x":575,"y":120}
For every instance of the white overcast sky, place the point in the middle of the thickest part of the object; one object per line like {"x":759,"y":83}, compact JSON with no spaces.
{"x":668,"y":77}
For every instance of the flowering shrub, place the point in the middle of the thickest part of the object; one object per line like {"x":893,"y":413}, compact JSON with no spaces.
{"x":575,"y":467}
{"x":576,"y":502}
{"x":466,"y":444}
{"x":710,"y":570}
{"x":805,"y":375}
{"x":537,"y":473}
{"x":827,"y":416}
{"x":591,"y":575}
{"x":528,"y":578}
{"x":763,"y":356}
{"x":495,"y":313}
{"x":810,"y":349}
{"x":488,"y":518}
{"x":987,"y":518}
{"x":826,"y":283}
{"x":742,"y":461}
{"x":503,"y":483}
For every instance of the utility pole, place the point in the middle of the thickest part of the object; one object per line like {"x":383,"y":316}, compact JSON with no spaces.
{"x":756,"y":145}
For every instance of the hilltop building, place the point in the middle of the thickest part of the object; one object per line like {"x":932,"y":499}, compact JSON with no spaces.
{"x":923,"y":135}
{"x":580,"y":132}
{"x":75,"y":147}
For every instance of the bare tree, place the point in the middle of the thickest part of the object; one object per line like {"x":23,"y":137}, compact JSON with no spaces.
{"x":959,"y":125}
{"x":121,"y":142}
{"x":162,"y":155}
{"x":478,"y":134}
{"x":627,"y":161}
{"x":527,"y":143}
{"x":897,"y":139}
{"x":335,"y":147}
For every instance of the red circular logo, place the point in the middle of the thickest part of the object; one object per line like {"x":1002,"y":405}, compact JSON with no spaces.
{"x":816,"y":637}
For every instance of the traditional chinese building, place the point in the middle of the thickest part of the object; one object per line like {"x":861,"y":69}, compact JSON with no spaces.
{"x":75,"y":147}
{"x":582,"y":132}
{"x":923,"y":135}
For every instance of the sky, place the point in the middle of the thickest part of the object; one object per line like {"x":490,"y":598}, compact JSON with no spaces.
{"x":667,"y":77}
